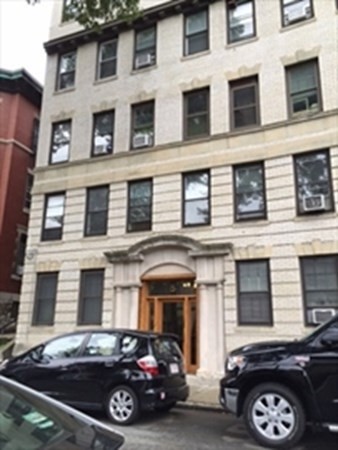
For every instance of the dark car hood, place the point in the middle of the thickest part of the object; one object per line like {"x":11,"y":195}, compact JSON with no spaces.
{"x":265,"y":347}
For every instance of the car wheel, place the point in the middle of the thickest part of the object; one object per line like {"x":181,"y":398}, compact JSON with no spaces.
{"x":166,"y":407}
{"x":122,"y":405}
{"x":274,"y":416}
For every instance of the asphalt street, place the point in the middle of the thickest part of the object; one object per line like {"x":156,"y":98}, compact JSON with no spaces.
{"x":201,"y":430}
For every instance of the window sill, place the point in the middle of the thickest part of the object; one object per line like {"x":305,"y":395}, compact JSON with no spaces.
{"x":297,"y":24}
{"x":105,"y":80}
{"x":143,"y":69}
{"x":16,"y":277}
{"x":249,"y":40}
{"x":251,"y":222}
{"x":315,"y":215}
{"x":195,"y":55}
{"x":101,"y":237}
{"x":305,"y":114}
{"x":63,"y":91}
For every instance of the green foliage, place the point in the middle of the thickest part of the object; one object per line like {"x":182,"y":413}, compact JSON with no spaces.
{"x":93,"y":13}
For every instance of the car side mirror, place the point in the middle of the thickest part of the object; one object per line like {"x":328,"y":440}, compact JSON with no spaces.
{"x":330,"y":339}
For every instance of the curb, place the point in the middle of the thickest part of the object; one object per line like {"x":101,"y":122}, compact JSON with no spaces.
{"x":201,"y":406}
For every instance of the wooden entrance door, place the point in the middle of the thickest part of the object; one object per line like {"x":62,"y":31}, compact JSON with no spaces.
{"x":172,"y":313}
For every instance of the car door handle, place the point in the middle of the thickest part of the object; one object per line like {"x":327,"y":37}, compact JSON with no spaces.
{"x":63,"y":368}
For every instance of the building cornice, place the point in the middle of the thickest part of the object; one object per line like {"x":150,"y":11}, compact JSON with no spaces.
{"x":146,"y":18}
{"x":21,"y":82}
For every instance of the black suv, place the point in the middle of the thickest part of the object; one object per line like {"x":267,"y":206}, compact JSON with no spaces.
{"x":279,"y":387}
{"x":123,"y":371}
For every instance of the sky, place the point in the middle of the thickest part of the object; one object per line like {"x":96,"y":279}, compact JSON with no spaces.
{"x":23,"y":30}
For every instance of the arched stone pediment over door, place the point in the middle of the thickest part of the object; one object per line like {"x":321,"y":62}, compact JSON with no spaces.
{"x":171,"y":256}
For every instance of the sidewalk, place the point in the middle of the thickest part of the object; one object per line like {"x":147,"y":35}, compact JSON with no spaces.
{"x":204,"y":393}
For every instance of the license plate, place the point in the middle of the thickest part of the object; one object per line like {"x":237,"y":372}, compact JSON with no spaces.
{"x":174,"y":368}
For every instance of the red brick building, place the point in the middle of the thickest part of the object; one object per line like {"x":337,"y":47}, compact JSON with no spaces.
{"x":20,"y":102}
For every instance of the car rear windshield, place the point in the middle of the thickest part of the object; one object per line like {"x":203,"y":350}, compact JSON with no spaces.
{"x":166,"y":347}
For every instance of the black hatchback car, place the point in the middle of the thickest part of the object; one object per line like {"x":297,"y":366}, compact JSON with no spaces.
{"x":279,"y":387}
{"x":122,"y":371}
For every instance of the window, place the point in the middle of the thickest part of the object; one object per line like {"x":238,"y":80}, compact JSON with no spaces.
{"x":313,"y":182}
{"x":254,"y":297}
{"x":69,"y":11}
{"x":20,"y":253}
{"x":145,"y":48}
{"x":240,"y":20}
{"x":143,"y":125}
{"x":66,"y":75}
{"x":53,"y":217}
{"x":28,"y":191}
{"x":63,"y":347}
{"x":249,"y":184}
{"x":102,"y":344}
{"x":139,"y":205}
{"x":296,"y":11}
{"x":107,"y":59}
{"x":303,"y":88}
{"x":244,"y":103}
{"x":45,"y":298}
{"x":196,"y":198}
{"x":97,"y":211}
{"x":196,"y":33}
{"x":35,"y":135}
{"x":61,"y":133}
{"x":320,"y":286}
{"x":91,"y":297}
{"x":196,"y":114}
{"x":103,"y":133}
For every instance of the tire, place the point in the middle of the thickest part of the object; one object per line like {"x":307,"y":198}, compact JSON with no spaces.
{"x":122,"y":405}
{"x":274,"y":416}
{"x":166,"y":407}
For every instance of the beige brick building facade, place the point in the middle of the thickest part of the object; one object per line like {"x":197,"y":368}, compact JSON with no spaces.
{"x":239,"y":234}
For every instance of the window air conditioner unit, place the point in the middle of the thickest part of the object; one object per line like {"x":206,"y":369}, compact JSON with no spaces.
{"x":298,"y":12}
{"x":143,"y":60}
{"x":314,"y":202}
{"x":322,"y":315}
{"x":142,"y":140}
{"x":19,"y":270}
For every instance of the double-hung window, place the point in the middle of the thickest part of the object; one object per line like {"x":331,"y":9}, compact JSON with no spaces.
{"x":103,"y":133}
{"x":196,"y":114}
{"x":303,"y":85}
{"x":143,"y":125}
{"x":320,"y":287}
{"x":196,"y":32}
{"x":244,"y":103}
{"x":145,"y":48}
{"x":45,"y":298}
{"x":28,"y":190}
{"x":139,"y":216}
{"x":53,"y":217}
{"x":97,"y":211}
{"x":20,"y":252}
{"x":69,"y":11}
{"x":313,"y":182}
{"x":294,"y":11}
{"x":60,"y":145}
{"x":250,"y":202}
{"x":240,"y":20}
{"x":35,"y":135}
{"x":106,"y":66}
{"x":66,"y":72}
{"x":196,"y":198}
{"x":254,"y":294}
{"x":91,"y":297}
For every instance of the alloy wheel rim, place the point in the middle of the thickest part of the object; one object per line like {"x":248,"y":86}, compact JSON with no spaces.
{"x":273,"y":416}
{"x":121,"y":405}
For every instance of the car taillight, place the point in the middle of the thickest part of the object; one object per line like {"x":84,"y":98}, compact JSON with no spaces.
{"x":148,"y":364}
